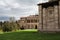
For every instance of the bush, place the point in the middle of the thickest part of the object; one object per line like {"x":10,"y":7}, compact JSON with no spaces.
{"x":22,"y":28}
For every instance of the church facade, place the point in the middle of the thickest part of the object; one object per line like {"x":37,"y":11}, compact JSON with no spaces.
{"x":49,"y":16}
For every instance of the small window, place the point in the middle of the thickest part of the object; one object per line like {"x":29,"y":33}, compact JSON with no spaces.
{"x":28,"y":21}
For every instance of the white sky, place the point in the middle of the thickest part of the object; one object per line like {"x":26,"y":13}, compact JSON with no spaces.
{"x":19,"y":8}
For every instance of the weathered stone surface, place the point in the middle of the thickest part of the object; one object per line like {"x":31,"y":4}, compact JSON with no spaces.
{"x":29,"y":22}
{"x":40,"y":17}
{"x":49,"y":16}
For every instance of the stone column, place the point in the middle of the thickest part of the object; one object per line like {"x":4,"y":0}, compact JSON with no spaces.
{"x":59,"y":14}
{"x":44,"y":19}
{"x":56,"y":13}
{"x":40,"y":17}
{"x":30,"y":23}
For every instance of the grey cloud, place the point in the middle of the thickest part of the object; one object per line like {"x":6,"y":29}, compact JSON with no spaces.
{"x":27,"y":8}
{"x":27,"y":2}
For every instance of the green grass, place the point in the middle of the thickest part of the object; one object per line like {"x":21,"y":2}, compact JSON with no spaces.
{"x":29,"y":35}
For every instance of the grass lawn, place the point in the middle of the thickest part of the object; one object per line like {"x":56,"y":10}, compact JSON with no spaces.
{"x":29,"y":35}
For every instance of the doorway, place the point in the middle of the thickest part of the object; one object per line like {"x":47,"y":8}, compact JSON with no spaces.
{"x":35,"y":26}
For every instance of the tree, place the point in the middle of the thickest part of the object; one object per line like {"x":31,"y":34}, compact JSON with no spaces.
{"x":6,"y":27}
{"x":1,"y":24}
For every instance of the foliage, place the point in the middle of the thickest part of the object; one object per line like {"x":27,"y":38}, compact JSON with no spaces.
{"x":8,"y":26}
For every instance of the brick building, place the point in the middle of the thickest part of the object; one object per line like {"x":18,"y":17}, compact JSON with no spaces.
{"x":29,"y":22}
{"x":49,"y":16}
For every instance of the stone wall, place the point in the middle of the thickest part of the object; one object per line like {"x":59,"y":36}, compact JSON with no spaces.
{"x":29,"y":22}
{"x":40,"y":17}
{"x":49,"y":17}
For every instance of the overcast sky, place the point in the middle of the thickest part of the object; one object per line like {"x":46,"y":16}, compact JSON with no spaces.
{"x":19,"y":8}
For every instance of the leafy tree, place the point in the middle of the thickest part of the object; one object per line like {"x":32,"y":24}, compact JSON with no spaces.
{"x":6,"y":27}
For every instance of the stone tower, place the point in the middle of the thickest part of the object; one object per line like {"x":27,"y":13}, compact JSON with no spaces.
{"x":49,"y":16}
